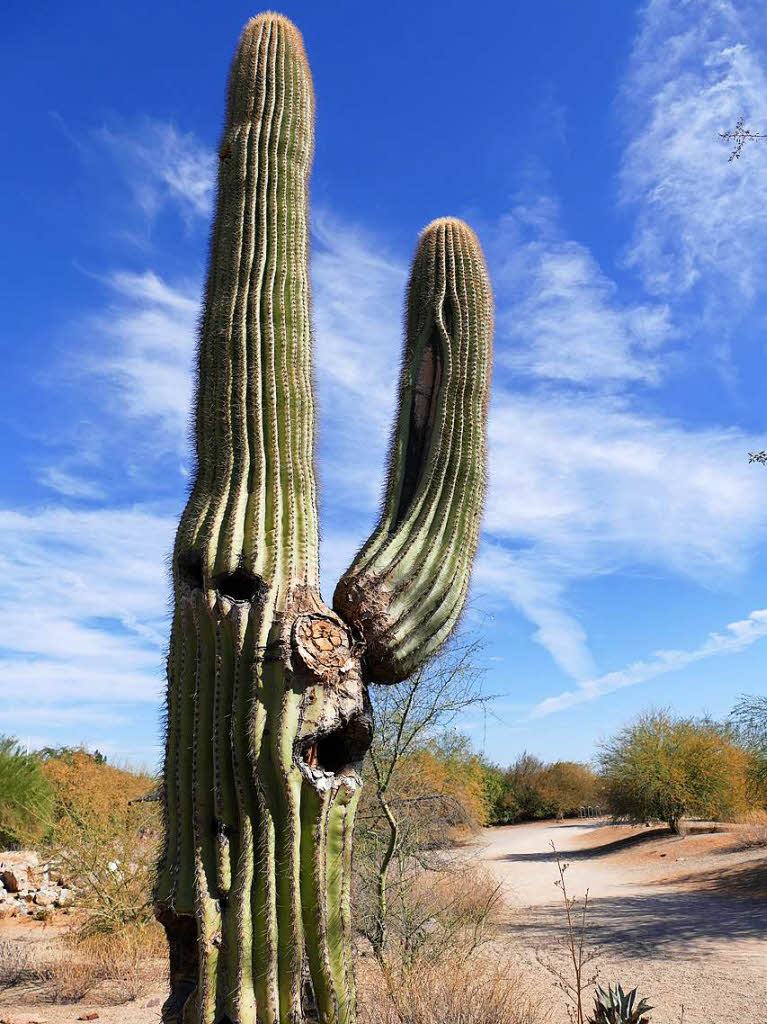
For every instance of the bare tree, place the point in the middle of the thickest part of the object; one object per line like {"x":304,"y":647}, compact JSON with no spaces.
{"x":739,"y":137}
{"x":407,"y":811}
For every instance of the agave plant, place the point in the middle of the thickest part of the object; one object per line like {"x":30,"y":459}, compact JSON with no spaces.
{"x":618,"y":1007}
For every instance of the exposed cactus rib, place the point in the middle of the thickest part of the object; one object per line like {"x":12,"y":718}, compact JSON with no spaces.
{"x":315,"y":805}
{"x":407,"y":586}
{"x":327,"y":817}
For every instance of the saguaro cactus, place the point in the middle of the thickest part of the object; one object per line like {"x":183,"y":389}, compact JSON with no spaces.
{"x":268,"y":717}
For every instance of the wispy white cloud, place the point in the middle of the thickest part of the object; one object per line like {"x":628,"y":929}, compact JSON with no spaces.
{"x":70,"y":485}
{"x":695,"y":68}
{"x":142,"y":351}
{"x":537,"y":590}
{"x":560,"y":315}
{"x":608,"y":484}
{"x":358,"y":299}
{"x":580,"y":489}
{"x":84,"y":603}
{"x":163,"y":166}
{"x":736,"y":637}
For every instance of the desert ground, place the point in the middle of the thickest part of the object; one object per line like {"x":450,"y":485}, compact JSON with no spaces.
{"x":684,"y":919}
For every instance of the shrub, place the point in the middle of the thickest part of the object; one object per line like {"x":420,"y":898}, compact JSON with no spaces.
{"x":101,"y":840}
{"x":485,"y":990}
{"x":431,"y":913}
{"x":568,"y":786}
{"x":664,"y":767}
{"x":530,"y":789}
{"x":14,"y":964}
{"x":110,"y":864}
{"x":86,"y":786}
{"x":120,"y":965}
{"x":25,"y":796}
{"x":749,"y":717}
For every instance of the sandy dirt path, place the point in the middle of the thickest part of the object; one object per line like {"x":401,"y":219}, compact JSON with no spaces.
{"x":685,"y":945}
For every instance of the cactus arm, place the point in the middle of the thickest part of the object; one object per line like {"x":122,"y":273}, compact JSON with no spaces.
{"x":407,"y":586}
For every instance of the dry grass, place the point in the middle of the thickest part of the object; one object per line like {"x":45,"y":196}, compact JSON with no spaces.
{"x":451,"y":990}
{"x":445,"y":908}
{"x":439,"y":967}
{"x":115,"y":967}
{"x":66,"y":981}
{"x":754,"y":832}
{"x":14,"y":965}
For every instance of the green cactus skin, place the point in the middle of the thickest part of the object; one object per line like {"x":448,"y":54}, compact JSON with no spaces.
{"x":268,"y":717}
{"x":406,"y":588}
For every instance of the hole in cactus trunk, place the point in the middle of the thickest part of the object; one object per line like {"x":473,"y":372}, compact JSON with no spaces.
{"x":341,"y":749}
{"x":423,"y":411}
{"x":240,"y":585}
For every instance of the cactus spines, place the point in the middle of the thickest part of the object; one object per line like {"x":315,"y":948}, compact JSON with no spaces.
{"x":268,"y":717}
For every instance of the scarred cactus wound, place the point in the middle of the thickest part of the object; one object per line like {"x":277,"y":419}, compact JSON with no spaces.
{"x":268,"y":717}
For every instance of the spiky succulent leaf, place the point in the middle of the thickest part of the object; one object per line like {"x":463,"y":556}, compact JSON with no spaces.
{"x":614,"y":1006}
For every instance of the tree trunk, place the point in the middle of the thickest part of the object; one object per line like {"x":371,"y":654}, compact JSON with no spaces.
{"x":268,"y":717}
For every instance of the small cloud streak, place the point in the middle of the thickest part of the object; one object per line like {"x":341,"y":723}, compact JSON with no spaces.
{"x":736,"y":637}
{"x":561,"y":315}
{"x":164,"y":166}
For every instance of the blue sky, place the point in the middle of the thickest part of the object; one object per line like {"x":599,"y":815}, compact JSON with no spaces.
{"x":623,"y":554}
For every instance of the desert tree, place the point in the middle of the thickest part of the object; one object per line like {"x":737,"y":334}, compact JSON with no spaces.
{"x":665,"y":767}
{"x":740,"y":136}
{"x":424,"y":781}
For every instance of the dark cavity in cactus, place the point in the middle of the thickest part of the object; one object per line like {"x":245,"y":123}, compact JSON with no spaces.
{"x":268,"y":717}
{"x":615,"y":1006}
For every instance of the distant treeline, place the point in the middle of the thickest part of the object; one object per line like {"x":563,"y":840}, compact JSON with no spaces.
{"x":531,"y":789}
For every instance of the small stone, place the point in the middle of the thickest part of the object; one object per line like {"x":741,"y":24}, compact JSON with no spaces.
{"x":45,"y":898}
{"x":89,"y":1016}
{"x":64,"y":897}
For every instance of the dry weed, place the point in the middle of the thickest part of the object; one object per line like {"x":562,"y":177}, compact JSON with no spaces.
{"x":126,"y":959}
{"x":449,"y":912}
{"x":451,"y":990}
{"x":14,"y":965}
{"x":66,"y":980}
{"x":431,"y":910}
{"x":121,"y":965}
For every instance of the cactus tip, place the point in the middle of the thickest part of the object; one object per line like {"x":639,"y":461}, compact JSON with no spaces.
{"x":273,"y":18}
{"x":447,"y":222}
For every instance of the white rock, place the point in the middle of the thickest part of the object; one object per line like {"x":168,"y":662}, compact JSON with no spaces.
{"x":64,"y":898}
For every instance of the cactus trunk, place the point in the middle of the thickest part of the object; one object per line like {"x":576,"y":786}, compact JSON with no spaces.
{"x":268,"y":718}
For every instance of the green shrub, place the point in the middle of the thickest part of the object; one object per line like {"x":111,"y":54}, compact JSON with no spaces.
{"x":749,"y":717}
{"x":25,"y":796}
{"x":530,"y":789}
{"x":665,"y":767}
